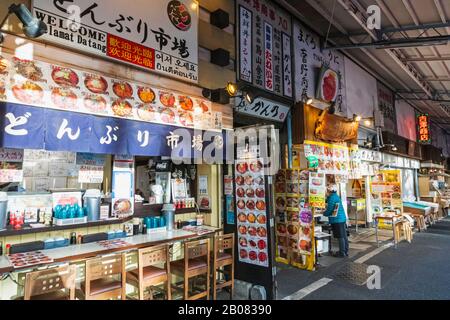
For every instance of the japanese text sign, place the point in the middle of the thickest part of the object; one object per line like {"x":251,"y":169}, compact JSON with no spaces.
{"x":157,"y":35}
{"x":263,"y":108}
{"x":264,"y":40}
{"x":423,"y":128}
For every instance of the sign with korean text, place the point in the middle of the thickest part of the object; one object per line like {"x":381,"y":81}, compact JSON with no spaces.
{"x":310,"y":59}
{"x":160,"y":35}
{"x":263,"y":108}
{"x":264,"y":39}
{"x":423,"y":128}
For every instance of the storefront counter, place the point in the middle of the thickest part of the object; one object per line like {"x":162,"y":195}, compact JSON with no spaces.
{"x":89,"y":250}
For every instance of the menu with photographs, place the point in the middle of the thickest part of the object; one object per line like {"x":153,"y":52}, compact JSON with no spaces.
{"x":317,"y":190}
{"x":293,"y":218}
{"x":333,"y":158}
{"x":386,"y":192}
{"x":45,"y":85}
{"x":28,"y":259}
{"x":251,"y":212}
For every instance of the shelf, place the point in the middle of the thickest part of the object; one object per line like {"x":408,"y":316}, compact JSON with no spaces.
{"x":28,"y":230}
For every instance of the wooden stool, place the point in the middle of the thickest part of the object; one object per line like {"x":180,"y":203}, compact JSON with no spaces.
{"x":51,"y":284}
{"x":223,"y":257}
{"x":420,"y":221}
{"x":101,"y":278}
{"x":195,"y":263}
{"x":149,"y":272}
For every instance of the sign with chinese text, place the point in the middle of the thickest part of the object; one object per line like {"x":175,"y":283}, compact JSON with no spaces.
{"x":310,"y":59}
{"x":90,"y":174}
{"x":161,"y":35}
{"x":386,"y":106}
{"x":263,"y":108}
{"x":333,"y":158}
{"x":423,"y":128}
{"x":265,"y":46}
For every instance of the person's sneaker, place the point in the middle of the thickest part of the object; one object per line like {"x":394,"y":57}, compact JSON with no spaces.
{"x":337,"y":255}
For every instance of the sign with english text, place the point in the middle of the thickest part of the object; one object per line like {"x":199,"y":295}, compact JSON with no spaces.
{"x":263,"y":108}
{"x":160,"y":35}
{"x":264,"y":41}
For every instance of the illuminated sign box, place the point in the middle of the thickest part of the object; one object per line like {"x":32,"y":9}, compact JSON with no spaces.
{"x":423,"y":129}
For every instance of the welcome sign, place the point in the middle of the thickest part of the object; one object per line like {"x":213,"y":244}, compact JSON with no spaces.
{"x":157,"y":35}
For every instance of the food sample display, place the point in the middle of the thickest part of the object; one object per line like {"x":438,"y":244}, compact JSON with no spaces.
{"x":28,"y":259}
{"x":251,"y":212}
{"x":333,"y":159}
{"x":293,"y":217}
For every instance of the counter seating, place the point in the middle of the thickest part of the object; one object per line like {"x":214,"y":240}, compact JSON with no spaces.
{"x":153,"y":269}
{"x":223,"y":257}
{"x":51,"y":284}
{"x":196,"y":263}
{"x":104,"y":278}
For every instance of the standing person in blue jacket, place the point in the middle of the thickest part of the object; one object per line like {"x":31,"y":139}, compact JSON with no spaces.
{"x":337,"y":221}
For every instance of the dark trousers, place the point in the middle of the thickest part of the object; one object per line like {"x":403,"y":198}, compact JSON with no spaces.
{"x":340,"y":233}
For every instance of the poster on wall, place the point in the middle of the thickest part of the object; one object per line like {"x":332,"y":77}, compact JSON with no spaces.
{"x":264,"y":39}
{"x":46,"y":85}
{"x":333,"y":158}
{"x":162,"y":39}
{"x":310,"y":59}
{"x":251,"y":212}
{"x":123,"y":186}
{"x":386,"y":106}
{"x":386,"y":192}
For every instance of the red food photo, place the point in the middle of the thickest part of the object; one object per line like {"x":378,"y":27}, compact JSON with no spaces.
{"x":262,"y":256}
{"x":240,"y":180}
{"x":253,"y":255}
{"x":262,"y":245}
{"x":65,"y":77}
{"x":123,"y":90}
{"x":242,"y":167}
{"x":329,"y":85}
{"x":260,"y":193}
{"x":240,"y":192}
{"x":250,"y":204}
{"x":241,"y":204}
{"x":243,"y":254}
{"x":250,"y":192}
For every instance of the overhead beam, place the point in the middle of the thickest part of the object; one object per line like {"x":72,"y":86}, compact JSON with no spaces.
{"x":434,"y":79}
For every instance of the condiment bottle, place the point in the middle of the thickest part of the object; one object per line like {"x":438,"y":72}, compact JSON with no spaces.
{"x":73,"y":238}
{"x":8,"y":246}
{"x":144,"y":228}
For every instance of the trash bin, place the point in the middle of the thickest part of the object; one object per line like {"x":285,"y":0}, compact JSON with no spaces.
{"x":3,"y":209}
{"x":91,"y":201}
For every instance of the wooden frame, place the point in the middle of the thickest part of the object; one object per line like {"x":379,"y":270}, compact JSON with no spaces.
{"x":50,"y":281}
{"x":194,"y":250}
{"x":149,"y":257}
{"x":103,"y":268}
{"x":222,"y":243}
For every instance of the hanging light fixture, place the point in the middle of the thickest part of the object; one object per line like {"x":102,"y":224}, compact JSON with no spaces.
{"x":32,"y":26}
{"x":231,"y":88}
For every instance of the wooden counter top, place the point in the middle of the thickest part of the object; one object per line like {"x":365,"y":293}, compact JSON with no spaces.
{"x":93,"y":249}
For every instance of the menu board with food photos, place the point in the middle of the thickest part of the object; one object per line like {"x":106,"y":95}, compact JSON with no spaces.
{"x":251,"y":212}
{"x":42,"y":84}
{"x":386,"y":192}
{"x":317,"y":190}
{"x":293,"y":218}
{"x":333,"y":158}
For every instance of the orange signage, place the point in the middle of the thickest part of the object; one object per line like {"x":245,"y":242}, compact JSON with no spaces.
{"x":423,"y":128}
{"x":130,"y":52}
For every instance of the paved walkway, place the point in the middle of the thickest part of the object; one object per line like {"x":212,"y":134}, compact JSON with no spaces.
{"x":419,"y":270}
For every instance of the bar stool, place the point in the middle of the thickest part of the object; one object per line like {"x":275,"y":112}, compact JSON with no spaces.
{"x":196,"y":262}
{"x":149,"y":273}
{"x":51,"y":284}
{"x":101,"y":278}
{"x":223,"y":257}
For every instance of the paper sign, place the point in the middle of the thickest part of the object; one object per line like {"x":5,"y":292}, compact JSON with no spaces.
{"x":90,"y":174}
{"x":203,"y":185}
{"x":228,"y":185}
{"x":11,"y":155}
{"x":11,"y":175}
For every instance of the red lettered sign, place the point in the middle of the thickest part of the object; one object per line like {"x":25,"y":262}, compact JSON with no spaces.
{"x":130,"y":52}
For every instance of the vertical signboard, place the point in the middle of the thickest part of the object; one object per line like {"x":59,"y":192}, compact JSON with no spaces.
{"x":310,"y":59}
{"x":386,"y":106}
{"x":423,"y":128}
{"x":264,"y":39}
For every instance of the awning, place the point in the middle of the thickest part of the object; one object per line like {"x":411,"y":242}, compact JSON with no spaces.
{"x":26,"y":127}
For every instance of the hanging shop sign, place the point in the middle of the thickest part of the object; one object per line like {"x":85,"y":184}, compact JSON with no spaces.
{"x":317,"y":190}
{"x":251,"y":212}
{"x":423,"y":128}
{"x":265,"y":46}
{"x":311,"y":60}
{"x":46,"y":85}
{"x":333,"y":159}
{"x":262,"y":108}
{"x":162,"y":38}
{"x":90,"y":159}
{"x":386,"y":106}
{"x":28,"y":128}
{"x":333,"y":128}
